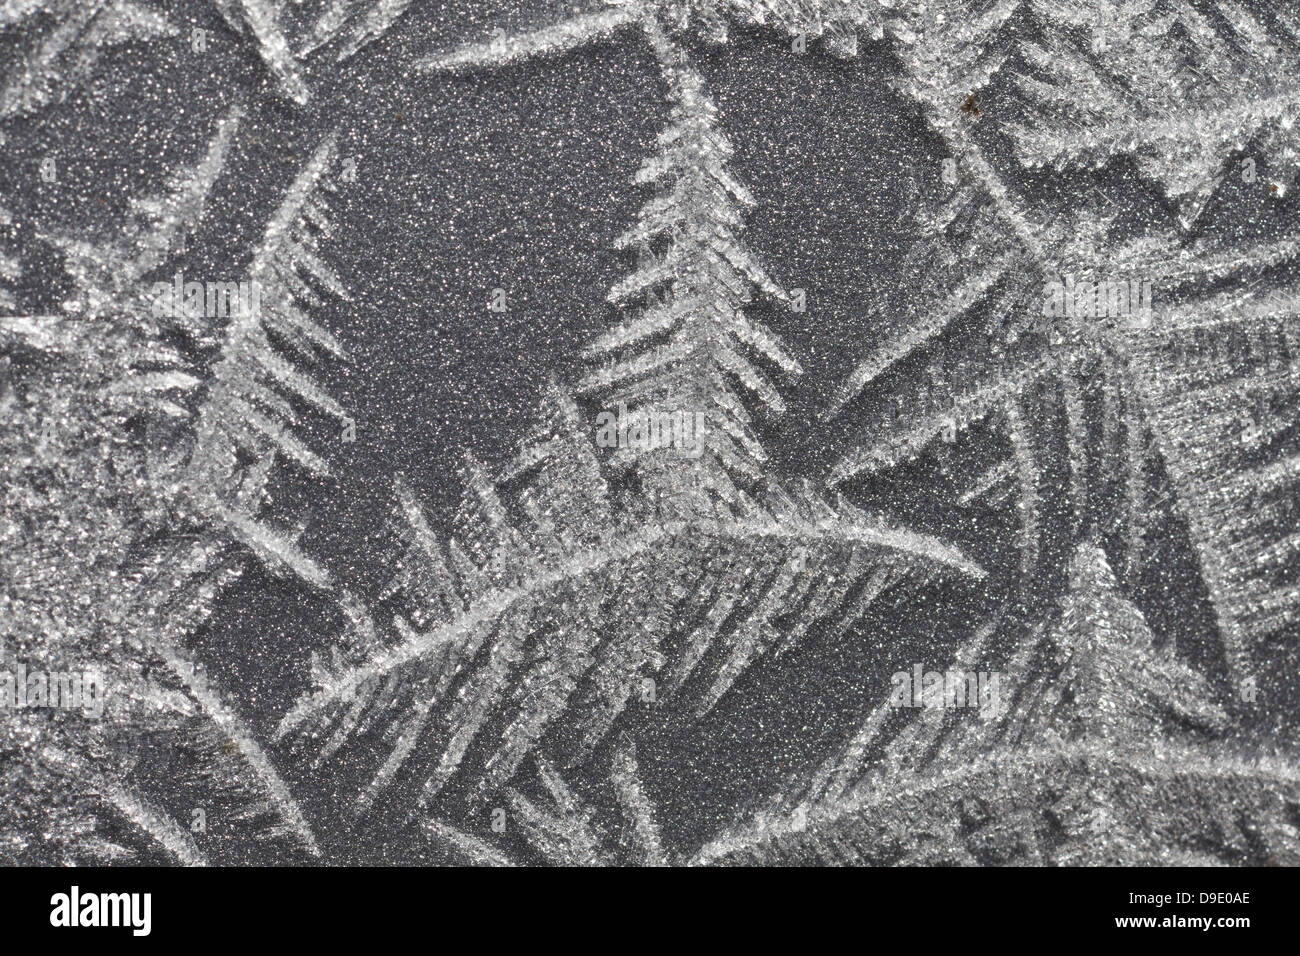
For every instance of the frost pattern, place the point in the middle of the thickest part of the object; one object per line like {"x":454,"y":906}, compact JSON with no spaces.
{"x":66,"y":53}
{"x":82,"y":381}
{"x":582,"y":599}
{"x":1100,"y":758}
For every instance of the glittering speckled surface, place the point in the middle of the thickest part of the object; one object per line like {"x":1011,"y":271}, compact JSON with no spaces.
{"x":985,"y":314}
